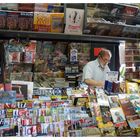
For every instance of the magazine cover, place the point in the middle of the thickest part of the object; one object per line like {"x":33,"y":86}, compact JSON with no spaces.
{"x":106,"y":115}
{"x":132,"y":97}
{"x":14,"y":57}
{"x":108,"y":132}
{"x":127,"y":107}
{"x":136,"y":104}
{"x":74,"y":21}
{"x":21,"y":91}
{"x":29,"y":87}
{"x":134,"y":121}
{"x":7,"y":96}
{"x":112,"y":76}
{"x":102,"y":98}
{"x":30,"y":52}
{"x":117,"y":115}
{"x":132,"y":87}
{"x":113,"y":101}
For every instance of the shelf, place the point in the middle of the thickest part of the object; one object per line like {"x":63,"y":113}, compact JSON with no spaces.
{"x":7,"y":34}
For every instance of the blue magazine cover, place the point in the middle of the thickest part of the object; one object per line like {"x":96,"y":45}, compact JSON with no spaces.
{"x":8,"y":96}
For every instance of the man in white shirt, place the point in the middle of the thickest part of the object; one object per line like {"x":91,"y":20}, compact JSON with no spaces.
{"x":94,"y":71}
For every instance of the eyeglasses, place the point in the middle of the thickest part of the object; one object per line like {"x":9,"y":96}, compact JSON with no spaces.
{"x":105,"y":60}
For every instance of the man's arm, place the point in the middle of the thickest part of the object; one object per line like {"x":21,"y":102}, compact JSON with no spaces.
{"x":92,"y":82}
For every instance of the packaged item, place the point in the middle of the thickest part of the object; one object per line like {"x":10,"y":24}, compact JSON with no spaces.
{"x":41,"y":7}
{"x":42,"y":22}
{"x":57,"y":22}
{"x":73,"y":55}
{"x":25,"y":21}
{"x":3,"y":15}
{"x":29,"y":7}
{"x":9,"y":6}
{"x":12,"y":20}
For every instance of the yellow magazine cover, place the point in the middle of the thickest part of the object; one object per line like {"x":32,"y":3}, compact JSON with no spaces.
{"x":57,"y":22}
{"x":42,"y":22}
{"x":132,"y":87}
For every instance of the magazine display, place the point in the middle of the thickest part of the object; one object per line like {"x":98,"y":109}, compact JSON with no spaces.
{"x":48,"y":113}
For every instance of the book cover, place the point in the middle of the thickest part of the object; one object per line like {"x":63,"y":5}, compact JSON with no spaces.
{"x":74,"y":21}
